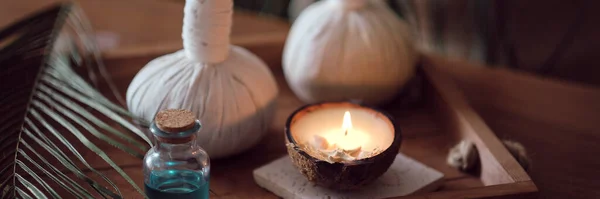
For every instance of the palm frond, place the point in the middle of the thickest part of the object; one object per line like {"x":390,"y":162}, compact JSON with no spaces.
{"x":55,"y":126}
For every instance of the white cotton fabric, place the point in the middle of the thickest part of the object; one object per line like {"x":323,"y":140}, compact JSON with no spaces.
{"x":234,"y":100}
{"x":336,"y":53}
{"x":230,"y":90}
{"x":206,"y":29}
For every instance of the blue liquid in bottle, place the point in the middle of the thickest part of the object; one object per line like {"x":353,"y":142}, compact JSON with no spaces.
{"x":179,"y":184}
{"x":176,"y":167}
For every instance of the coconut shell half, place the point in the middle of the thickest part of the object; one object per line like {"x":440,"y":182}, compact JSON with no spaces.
{"x":340,"y":176}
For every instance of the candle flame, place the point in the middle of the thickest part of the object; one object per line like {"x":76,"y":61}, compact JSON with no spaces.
{"x":347,"y":124}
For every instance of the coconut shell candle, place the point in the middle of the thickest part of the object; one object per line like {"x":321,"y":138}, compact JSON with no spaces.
{"x":341,"y":145}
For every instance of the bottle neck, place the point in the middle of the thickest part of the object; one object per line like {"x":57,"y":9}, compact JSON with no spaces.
{"x":178,"y":141}
{"x":166,"y":146}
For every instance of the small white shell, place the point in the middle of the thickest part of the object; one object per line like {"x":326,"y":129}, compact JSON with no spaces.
{"x":319,"y":143}
{"x":463,"y":156}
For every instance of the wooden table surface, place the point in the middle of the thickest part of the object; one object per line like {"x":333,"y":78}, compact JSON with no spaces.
{"x":558,"y":122}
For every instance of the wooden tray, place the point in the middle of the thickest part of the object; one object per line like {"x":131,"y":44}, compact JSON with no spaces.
{"x":430,"y":128}
{"x":500,"y":177}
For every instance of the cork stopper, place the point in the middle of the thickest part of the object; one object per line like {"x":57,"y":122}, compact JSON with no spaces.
{"x":174,"y":120}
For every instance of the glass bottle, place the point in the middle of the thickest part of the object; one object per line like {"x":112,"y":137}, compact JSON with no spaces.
{"x":176,"y":167}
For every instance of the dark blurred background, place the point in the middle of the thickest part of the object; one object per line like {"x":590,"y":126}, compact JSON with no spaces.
{"x":551,"y":37}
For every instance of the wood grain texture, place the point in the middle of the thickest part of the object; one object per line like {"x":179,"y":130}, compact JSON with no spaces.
{"x":497,"y":164}
{"x":556,"y":121}
{"x":547,"y":99}
{"x":502,"y":191}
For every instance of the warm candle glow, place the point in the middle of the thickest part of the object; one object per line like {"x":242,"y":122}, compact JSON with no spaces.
{"x":347,"y":123}
{"x":346,"y":140}
{"x":340,"y":134}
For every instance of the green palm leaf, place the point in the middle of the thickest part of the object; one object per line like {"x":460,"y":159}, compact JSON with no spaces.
{"x":54,"y":125}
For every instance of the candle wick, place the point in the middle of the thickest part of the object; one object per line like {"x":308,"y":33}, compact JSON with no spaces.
{"x":346,"y":132}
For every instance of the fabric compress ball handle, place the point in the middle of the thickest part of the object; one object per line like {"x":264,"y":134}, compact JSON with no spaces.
{"x":206,"y":30}
{"x":230,"y":90}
